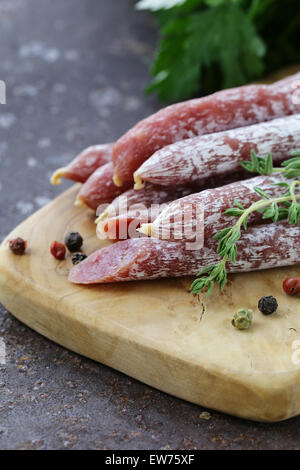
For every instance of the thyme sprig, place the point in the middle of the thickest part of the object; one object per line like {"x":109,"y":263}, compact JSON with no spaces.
{"x":279,"y":208}
{"x":264,"y":165}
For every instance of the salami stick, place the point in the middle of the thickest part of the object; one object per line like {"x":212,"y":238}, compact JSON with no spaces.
{"x":219,"y":153}
{"x":84,"y":164}
{"x":226,"y":109}
{"x":151,"y":194}
{"x":154,"y":194}
{"x":263,"y":247}
{"x":99,"y":188}
{"x":182,"y":218}
{"x":127,"y":212}
{"x":203,"y":212}
{"x":121,"y":219}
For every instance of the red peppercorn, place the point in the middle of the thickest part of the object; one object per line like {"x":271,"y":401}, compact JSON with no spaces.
{"x":291,"y":285}
{"x":58,"y":250}
{"x":18,"y":246}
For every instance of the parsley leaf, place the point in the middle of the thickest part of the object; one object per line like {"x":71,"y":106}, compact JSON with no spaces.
{"x":222,"y":37}
{"x":211,"y":44}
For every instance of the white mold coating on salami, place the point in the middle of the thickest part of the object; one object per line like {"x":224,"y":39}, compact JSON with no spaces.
{"x":183,"y":219}
{"x":220,"y":153}
{"x":224,"y":110}
{"x":262,"y":247}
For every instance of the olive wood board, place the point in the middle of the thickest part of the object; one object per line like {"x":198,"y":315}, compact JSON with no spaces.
{"x":156,"y":331}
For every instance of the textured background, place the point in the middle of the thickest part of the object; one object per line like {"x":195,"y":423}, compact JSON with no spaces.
{"x":75,"y":72}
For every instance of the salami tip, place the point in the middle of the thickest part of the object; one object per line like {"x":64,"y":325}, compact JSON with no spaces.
{"x":138,"y":182}
{"x":101,"y":217}
{"x":146,"y":229}
{"x":79,"y":202}
{"x":57,"y":176}
{"x":117,"y":181}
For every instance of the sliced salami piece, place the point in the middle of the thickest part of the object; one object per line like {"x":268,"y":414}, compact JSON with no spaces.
{"x":226,"y":109}
{"x":81,"y":168}
{"x":262,"y":247}
{"x":219,"y":153}
{"x":203,"y":213}
{"x":99,"y":188}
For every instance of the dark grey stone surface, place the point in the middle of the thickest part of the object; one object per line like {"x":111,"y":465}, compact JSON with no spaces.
{"x":75,"y":72}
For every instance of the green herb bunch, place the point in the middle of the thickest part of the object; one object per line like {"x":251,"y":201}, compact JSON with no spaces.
{"x":206,"y":45}
{"x":285,"y":206}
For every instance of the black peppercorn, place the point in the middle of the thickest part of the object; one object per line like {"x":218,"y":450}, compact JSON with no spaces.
{"x":73,"y":241}
{"x":268,"y":305}
{"x":78,"y":257}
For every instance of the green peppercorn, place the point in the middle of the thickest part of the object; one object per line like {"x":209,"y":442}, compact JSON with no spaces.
{"x":268,"y":305}
{"x":242,"y":319}
{"x":78,"y":257}
{"x":73,"y":241}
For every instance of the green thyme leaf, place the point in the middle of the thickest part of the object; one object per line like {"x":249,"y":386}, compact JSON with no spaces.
{"x":221,"y":234}
{"x":236,"y":202}
{"x":285,"y":206}
{"x":269,"y":164}
{"x":206,"y":269}
{"x":233,"y":211}
{"x":261,"y":193}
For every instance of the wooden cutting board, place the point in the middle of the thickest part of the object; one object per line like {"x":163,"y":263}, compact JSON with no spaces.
{"x":155,"y":331}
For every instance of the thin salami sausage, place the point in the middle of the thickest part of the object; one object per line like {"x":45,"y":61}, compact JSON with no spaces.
{"x":81,"y":168}
{"x":99,"y":188}
{"x":226,"y":109}
{"x":151,"y":194}
{"x":263,"y":247}
{"x":121,"y":219}
{"x":203,"y":213}
{"x":219,"y":153}
{"x":154,"y":194}
{"x":181,"y":218}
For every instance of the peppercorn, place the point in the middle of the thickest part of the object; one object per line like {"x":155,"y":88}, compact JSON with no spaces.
{"x":242,"y":319}
{"x":291,"y":285}
{"x":18,"y":246}
{"x":73,"y":241}
{"x":268,"y":305}
{"x":78,"y":257}
{"x":58,"y":250}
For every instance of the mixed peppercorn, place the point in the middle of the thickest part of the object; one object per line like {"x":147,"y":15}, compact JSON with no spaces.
{"x":58,"y":250}
{"x":291,"y":285}
{"x":73,"y":241}
{"x":268,"y":305}
{"x":78,"y":257}
{"x":242,"y":319}
{"x":17,"y":246}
